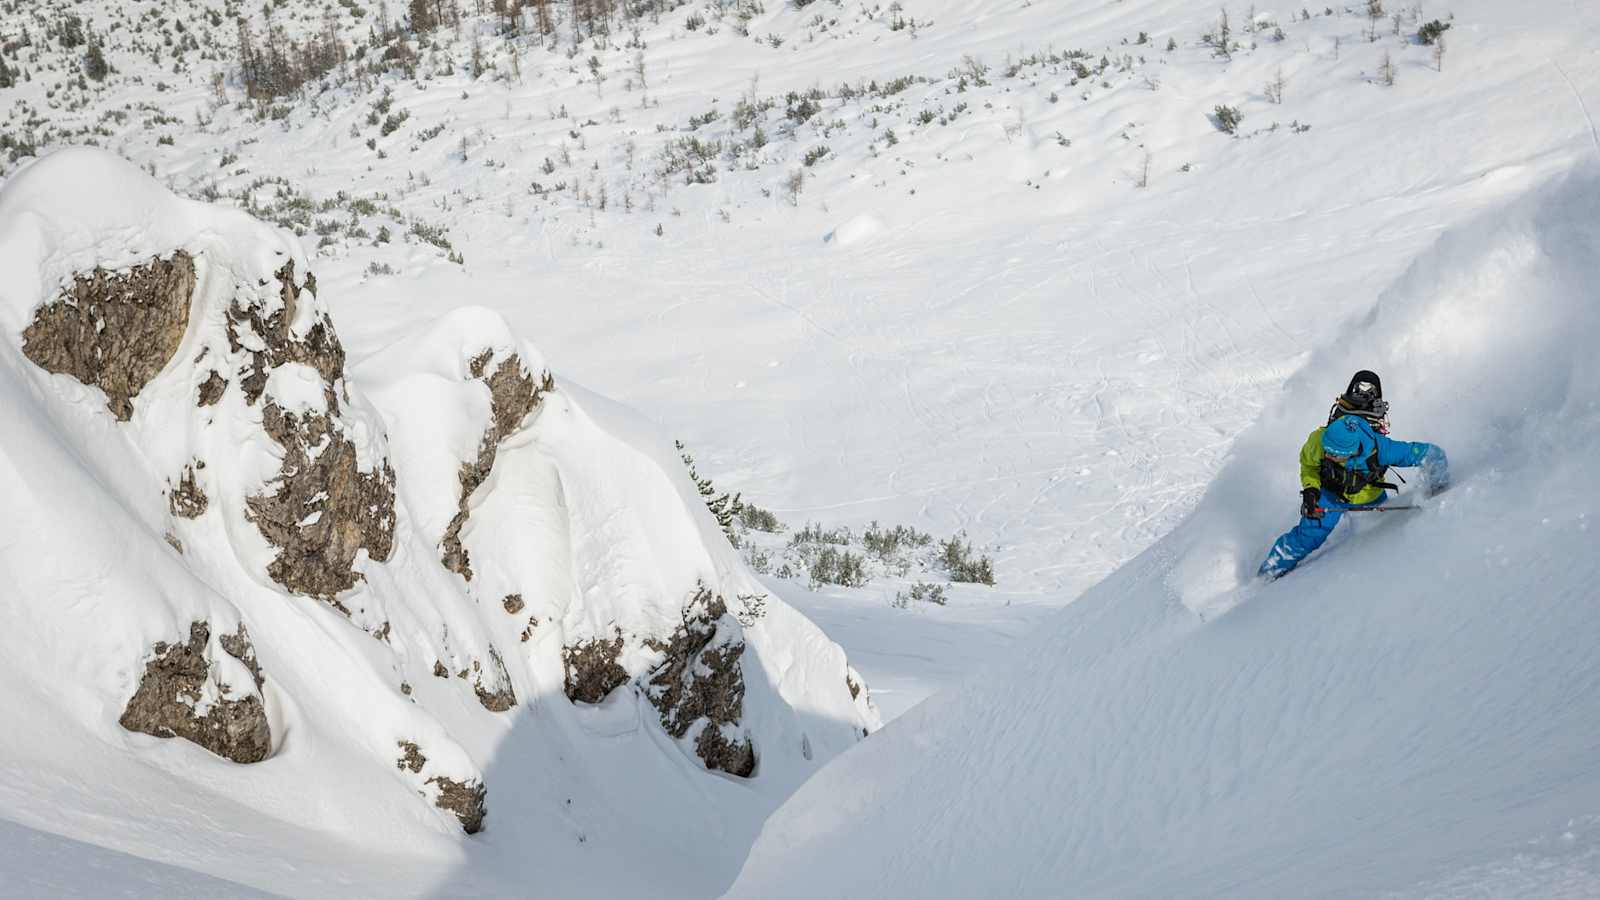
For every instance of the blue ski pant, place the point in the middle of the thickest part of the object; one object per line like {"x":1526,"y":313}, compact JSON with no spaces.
{"x":1302,"y":540}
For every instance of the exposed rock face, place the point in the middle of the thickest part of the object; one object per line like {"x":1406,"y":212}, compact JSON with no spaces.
{"x":211,"y":390}
{"x":464,"y":799}
{"x":700,"y":680}
{"x":115,"y":331}
{"x":323,"y":509}
{"x":411,"y":758}
{"x":513,"y":603}
{"x":172,"y":700}
{"x":513,"y":393}
{"x":187,"y":500}
{"x":501,"y":698}
{"x":249,"y":329}
{"x":592,"y":669}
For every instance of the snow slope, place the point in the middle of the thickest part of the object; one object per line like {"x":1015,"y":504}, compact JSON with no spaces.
{"x":120,"y":534}
{"x":1414,"y":713}
{"x":982,"y":325}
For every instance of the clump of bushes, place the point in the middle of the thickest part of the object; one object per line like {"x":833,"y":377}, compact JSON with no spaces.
{"x":921,"y":592}
{"x":1227,"y":118}
{"x":813,"y":533}
{"x":754,"y":518}
{"x":834,"y":565}
{"x":963,"y":565}
{"x":888,"y":543}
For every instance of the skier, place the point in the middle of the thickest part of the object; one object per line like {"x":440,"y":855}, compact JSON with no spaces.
{"x":1342,"y":466}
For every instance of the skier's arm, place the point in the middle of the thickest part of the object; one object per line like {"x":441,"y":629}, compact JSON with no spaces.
{"x":1404,"y":454}
{"x":1311,"y":462}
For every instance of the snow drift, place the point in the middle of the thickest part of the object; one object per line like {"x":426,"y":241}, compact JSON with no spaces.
{"x":1417,"y":710}
{"x":360,"y":583}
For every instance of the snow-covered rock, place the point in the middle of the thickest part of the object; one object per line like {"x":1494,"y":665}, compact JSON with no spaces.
{"x":309,"y":577}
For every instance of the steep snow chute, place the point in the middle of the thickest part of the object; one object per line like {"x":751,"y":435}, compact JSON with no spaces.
{"x":1419,"y":708}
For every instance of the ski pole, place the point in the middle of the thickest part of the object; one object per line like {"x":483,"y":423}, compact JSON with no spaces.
{"x":1354,"y":509}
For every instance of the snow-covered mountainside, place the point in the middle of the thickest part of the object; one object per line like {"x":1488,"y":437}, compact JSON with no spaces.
{"x":1414,"y":713}
{"x":389,"y":603}
{"x":952,"y":291}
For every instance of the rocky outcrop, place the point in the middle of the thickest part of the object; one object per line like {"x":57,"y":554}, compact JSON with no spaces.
{"x":513,"y":603}
{"x":466,"y":800}
{"x":593,"y":670}
{"x":513,"y":393}
{"x":115,"y":331}
{"x":186,"y":500}
{"x":211,"y":390}
{"x":411,"y":758}
{"x":269,"y":342}
{"x":700,"y":681}
{"x":180,"y":696}
{"x":322,"y":509}
{"x":499,"y":696}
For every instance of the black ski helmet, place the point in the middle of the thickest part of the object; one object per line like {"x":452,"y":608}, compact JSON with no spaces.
{"x":1364,"y":392}
{"x":1364,"y":398}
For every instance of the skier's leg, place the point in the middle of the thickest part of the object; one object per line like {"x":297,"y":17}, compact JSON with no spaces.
{"x":1300,"y":541}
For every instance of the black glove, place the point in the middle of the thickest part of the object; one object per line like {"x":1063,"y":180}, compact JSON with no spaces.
{"x":1310,"y":503}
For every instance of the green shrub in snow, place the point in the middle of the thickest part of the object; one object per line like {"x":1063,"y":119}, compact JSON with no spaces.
{"x":1227,"y":118}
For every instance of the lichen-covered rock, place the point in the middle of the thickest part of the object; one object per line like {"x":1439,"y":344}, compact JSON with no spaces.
{"x":593,"y":670}
{"x":115,"y":331}
{"x":513,"y":393}
{"x":466,"y":799}
{"x":700,"y":680}
{"x":186,"y":500}
{"x":179,"y":696}
{"x":322,"y":508}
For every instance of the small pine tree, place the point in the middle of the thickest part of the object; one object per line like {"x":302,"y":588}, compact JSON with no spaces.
{"x":725,"y":507}
{"x":1431,"y":32}
{"x":1275,"y":86}
{"x":94,"y":63}
{"x":1228,"y":119}
{"x":8,"y":78}
{"x":1224,"y":37}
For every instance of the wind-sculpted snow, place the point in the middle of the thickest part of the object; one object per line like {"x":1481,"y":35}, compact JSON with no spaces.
{"x":1414,"y":712}
{"x":188,"y":460}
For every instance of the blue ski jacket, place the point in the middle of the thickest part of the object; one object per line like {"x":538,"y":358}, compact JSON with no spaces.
{"x":1353,"y":438}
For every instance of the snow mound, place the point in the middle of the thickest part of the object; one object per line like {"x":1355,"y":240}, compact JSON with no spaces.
{"x":351,"y":588}
{"x":1415,"y":710}
{"x":855,"y":230}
